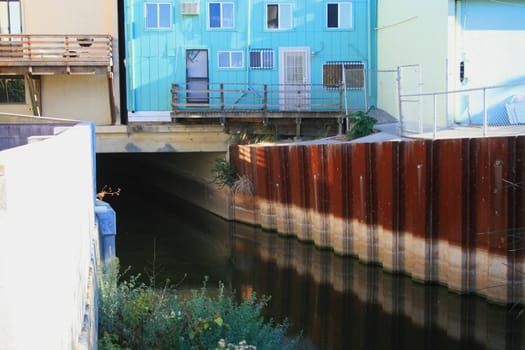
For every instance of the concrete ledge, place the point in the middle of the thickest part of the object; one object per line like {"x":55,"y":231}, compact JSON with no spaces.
{"x":160,"y":138}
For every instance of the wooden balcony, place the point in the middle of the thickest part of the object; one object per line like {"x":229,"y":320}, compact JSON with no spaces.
{"x":289,"y":105}
{"x":55,"y":54}
{"x":239,"y":98}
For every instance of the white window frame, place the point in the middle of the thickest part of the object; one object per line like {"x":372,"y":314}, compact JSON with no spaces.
{"x":231,"y":61}
{"x":345,"y":15}
{"x":159,"y":6}
{"x":222,"y":24}
{"x":263,"y":58}
{"x":280,"y":16}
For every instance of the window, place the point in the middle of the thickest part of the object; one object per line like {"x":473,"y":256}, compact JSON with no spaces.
{"x":221,"y":15}
{"x":339,"y":15}
{"x":261,"y":59}
{"x":335,"y":73}
{"x":10,"y":22}
{"x":12,"y":89}
{"x":230,"y":59}
{"x":278,"y":16}
{"x":158,"y":15}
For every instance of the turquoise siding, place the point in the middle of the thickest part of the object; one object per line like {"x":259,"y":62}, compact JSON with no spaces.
{"x":157,"y":58}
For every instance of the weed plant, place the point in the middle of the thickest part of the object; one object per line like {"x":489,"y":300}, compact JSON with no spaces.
{"x":137,"y":316}
{"x":362,"y":124}
{"x":224,"y":173}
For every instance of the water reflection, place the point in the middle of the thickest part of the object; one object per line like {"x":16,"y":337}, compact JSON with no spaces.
{"x":343,"y":304}
{"x":337,"y":302}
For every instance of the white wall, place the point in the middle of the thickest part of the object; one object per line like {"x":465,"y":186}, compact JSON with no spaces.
{"x":411,"y":32}
{"x":47,"y":233}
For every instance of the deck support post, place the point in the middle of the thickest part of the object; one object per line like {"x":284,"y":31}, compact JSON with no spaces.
{"x":174,"y":96}
{"x":111,"y":93}
{"x":298,"y":128}
{"x":222,"y":96}
{"x":33,"y":94}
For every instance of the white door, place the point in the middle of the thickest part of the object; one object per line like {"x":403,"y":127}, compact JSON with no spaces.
{"x":294,"y":73}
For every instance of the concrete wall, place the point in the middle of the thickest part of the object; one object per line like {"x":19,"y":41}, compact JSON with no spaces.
{"x":189,"y":176}
{"x":48,"y":243}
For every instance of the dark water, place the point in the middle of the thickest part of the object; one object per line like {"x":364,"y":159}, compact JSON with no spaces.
{"x":338,"y":303}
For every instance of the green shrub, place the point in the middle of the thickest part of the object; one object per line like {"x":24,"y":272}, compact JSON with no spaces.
{"x":137,"y":316}
{"x":133,"y":315}
{"x":361,"y":124}
{"x":224,"y":173}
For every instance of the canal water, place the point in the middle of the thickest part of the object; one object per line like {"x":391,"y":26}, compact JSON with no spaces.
{"x":336,"y":302}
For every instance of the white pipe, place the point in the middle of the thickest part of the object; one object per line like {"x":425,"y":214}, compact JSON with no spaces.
{"x":369,"y":59}
{"x":248,"y":42}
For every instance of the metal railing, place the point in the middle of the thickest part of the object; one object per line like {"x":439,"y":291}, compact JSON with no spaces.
{"x":258,"y":97}
{"x":485,"y":108}
{"x":38,"y":49}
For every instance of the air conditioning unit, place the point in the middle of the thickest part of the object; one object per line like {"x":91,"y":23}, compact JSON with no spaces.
{"x":189,"y":8}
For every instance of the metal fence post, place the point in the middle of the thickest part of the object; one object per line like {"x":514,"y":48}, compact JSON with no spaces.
{"x":174,"y":96}
{"x":435,"y":115}
{"x":399,"y":103}
{"x":265,"y":97}
{"x":221,"y":86}
{"x":485,"y":114}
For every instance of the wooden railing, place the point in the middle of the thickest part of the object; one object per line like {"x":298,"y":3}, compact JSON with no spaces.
{"x":257,"y":97}
{"x":54,"y":50}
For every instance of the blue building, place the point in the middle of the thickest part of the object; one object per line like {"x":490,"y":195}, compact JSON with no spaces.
{"x":291,"y":55}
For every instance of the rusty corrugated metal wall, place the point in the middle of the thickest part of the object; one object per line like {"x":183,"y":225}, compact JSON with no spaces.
{"x":448,"y":211}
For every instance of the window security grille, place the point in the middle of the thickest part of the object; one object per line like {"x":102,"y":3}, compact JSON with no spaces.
{"x":336,"y":73}
{"x":261,"y":59}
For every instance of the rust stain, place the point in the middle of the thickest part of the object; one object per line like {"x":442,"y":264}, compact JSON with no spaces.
{"x":296,"y":176}
{"x":359,"y":181}
{"x":450,"y":191}
{"x":415,"y":187}
{"x":336,"y":180}
{"x":468,"y":193}
{"x":385,"y":174}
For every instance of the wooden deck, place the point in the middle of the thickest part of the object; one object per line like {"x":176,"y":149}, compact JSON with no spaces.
{"x":55,"y":54}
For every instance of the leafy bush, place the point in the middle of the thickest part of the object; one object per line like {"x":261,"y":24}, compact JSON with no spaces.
{"x":361,"y":124}
{"x":137,"y":316}
{"x":224,"y":173}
